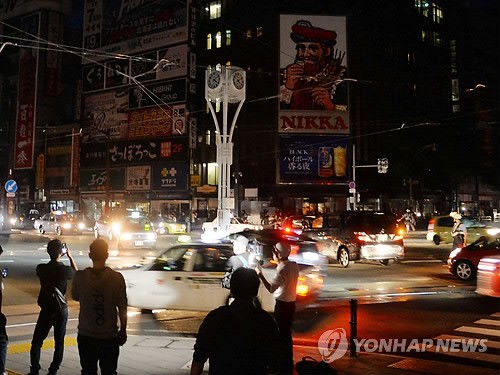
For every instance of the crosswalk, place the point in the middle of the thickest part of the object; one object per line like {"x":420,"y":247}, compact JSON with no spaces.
{"x":475,"y":345}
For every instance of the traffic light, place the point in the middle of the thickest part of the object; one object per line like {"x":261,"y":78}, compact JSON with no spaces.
{"x":382,"y":165}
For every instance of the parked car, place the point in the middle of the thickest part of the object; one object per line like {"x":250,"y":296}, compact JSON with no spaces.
{"x":235,"y":225}
{"x":304,"y":250}
{"x":488,"y":276}
{"x":132,"y":231}
{"x":188,"y":277}
{"x":358,"y":235}
{"x":59,"y":223}
{"x":439,"y":229}
{"x":463,"y":262}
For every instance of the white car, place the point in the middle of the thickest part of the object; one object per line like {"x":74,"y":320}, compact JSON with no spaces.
{"x":488,"y":276}
{"x":236,"y":225}
{"x":59,"y":223}
{"x":188,"y":277}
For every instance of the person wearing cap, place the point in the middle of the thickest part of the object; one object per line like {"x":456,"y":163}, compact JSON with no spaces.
{"x":310,"y":81}
{"x":239,"y":338}
{"x":283,"y":286}
{"x":52,"y":274}
{"x":102,"y":294}
{"x":458,"y":231}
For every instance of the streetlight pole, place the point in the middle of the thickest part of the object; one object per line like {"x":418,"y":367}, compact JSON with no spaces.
{"x":226,"y":85}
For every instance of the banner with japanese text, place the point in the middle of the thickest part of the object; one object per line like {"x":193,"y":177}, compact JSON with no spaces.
{"x":314,"y":159}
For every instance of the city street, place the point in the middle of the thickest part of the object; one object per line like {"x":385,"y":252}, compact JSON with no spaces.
{"x":413,"y":299}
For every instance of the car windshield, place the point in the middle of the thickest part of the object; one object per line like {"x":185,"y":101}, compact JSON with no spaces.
{"x":136,"y":224}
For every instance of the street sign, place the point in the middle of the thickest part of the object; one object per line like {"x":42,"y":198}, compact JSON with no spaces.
{"x":352,"y":185}
{"x":11,"y":195}
{"x":11,"y":186}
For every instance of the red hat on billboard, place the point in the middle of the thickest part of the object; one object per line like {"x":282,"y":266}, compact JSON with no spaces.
{"x":303,"y":31}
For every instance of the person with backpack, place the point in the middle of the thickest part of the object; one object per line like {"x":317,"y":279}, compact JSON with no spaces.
{"x":53,"y":275}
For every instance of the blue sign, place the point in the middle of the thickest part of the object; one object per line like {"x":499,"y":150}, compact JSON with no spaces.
{"x":11,"y":186}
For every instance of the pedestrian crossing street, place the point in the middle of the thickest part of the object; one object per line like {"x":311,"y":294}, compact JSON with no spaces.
{"x":489,"y":329}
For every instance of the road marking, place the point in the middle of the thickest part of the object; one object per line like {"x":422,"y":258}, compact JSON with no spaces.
{"x":496,"y":315}
{"x":477,"y":356}
{"x":47,"y":344}
{"x":481,"y":331}
{"x":489,"y":322}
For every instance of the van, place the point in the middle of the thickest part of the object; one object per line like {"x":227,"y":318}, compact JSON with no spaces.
{"x":439,"y":229}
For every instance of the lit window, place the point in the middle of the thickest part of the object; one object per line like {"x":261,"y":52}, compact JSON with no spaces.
{"x":212,"y":173}
{"x":207,"y":137}
{"x":215,"y":9}
{"x":217,"y":106}
{"x":228,"y":37}
{"x":209,"y":41}
{"x":218,"y":40}
{"x":259,"y":31}
{"x":248,"y":34}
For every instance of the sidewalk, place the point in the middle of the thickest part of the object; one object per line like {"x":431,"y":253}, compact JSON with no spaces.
{"x":155,"y":355}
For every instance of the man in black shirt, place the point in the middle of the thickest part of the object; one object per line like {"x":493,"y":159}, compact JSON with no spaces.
{"x":52,"y":274}
{"x":240,"y":338}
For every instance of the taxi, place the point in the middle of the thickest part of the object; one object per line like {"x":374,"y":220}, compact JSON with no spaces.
{"x":188,"y":277}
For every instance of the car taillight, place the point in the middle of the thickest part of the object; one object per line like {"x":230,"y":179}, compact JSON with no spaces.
{"x":288,"y":229}
{"x":294,"y":249}
{"x":362,"y":236}
{"x":430,"y":226}
{"x":302,"y":288}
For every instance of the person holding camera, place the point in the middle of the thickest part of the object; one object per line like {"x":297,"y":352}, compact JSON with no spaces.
{"x":53,"y":275}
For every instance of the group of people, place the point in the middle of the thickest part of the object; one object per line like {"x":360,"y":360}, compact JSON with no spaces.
{"x":237,"y":338}
{"x":103,"y":302}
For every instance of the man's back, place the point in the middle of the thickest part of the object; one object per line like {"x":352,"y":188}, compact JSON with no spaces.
{"x":238,"y":339}
{"x":99,"y":292}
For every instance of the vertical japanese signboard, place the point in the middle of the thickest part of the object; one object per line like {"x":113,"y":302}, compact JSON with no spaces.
{"x":26,"y":98}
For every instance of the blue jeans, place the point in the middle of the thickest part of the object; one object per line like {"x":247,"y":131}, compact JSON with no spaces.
{"x":46,"y":320}
{"x":102,"y":351}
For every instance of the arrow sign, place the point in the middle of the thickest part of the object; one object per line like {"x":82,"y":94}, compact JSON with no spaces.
{"x":11,"y":186}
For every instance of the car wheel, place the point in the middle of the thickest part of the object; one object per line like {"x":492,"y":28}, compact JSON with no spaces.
{"x":146,"y":311}
{"x":343,"y":258}
{"x":58,"y":230}
{"x":464,"y":270}
{"x":385,"y":262}
{"x":436,"y":239}
{"x":40,"y":229}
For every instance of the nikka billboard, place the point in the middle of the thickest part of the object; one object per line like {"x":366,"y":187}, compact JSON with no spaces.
{"x":313,"y":64}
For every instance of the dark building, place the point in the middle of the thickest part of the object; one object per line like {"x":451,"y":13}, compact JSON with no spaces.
{"x":349,"y":104}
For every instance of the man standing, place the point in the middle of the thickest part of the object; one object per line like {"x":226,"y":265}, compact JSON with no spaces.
{"x":102,"y":295}
{"x":54,"y":274}
{"x":4,"y":339}
{"x":240,"y":338}
{"x":283,"y":286}
{"x":458,"y":231}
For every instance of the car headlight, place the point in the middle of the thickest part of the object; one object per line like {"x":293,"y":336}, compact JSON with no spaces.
{"x":493,"y":231}
{"x":66,"y":225}
{"x":13,"y":221}
{"x":454,"y":253}
{"x":81,"y":225}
